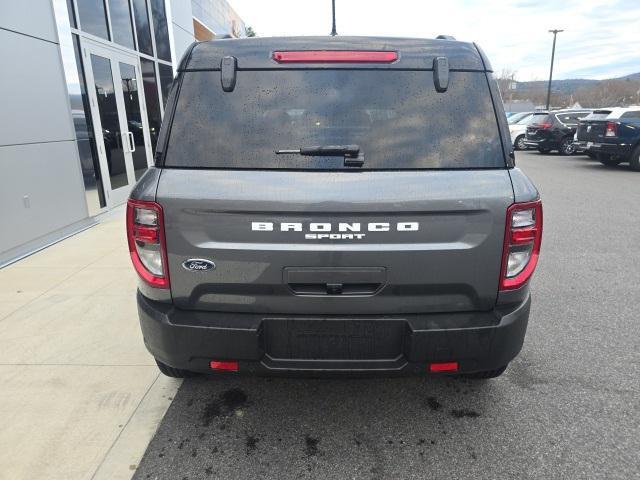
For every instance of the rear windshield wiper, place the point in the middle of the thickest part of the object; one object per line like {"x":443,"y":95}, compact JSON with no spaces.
{"x":351,"y":153}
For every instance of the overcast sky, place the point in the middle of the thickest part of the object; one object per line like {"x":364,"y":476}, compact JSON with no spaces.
{"x":601,"y":37}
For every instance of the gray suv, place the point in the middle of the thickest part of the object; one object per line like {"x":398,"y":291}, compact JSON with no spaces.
{"x":333,"y":206}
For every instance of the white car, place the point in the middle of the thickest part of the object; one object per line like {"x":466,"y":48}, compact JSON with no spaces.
{"x":519,"y":129}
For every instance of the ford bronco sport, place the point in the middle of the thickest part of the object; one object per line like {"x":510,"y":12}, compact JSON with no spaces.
{"x":334,"y":205}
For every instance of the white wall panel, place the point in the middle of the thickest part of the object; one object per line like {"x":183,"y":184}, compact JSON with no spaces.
{"x":181,"y":41}
{"x":41,"y":190}
{"x":181,"y":14}
{"x":32,"y":17}
{"x":35,"y":105}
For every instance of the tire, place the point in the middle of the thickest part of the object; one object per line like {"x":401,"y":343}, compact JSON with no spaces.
{"x":484,"y":375}
{"x":634,"y":159}
{"x":544,"y":150}
{"x":519,"y":143}
{"x":566,"y":147}
{"x":608,"y":160}
{"x":174,"y":372}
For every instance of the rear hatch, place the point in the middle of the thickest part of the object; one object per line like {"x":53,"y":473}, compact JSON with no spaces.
{"x":417,"y":227}
{"x":540,"y":127}
{"x":592,"y":127}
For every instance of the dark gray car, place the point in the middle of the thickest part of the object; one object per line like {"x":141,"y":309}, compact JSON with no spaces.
{"x":327,"y":205}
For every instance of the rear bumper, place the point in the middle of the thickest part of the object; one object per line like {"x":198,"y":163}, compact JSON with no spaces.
{"x":540,"y":144}
{"x":276,"y":344}
{"x":618,"y":150}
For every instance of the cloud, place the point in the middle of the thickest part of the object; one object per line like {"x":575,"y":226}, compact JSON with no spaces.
{"x":600,"y":40}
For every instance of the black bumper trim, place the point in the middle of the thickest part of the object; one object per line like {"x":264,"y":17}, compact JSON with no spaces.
{"x":189,"y":340}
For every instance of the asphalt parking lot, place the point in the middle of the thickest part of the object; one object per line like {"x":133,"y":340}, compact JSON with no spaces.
{"x":567,"y":407}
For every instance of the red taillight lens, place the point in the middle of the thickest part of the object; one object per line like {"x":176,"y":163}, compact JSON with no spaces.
{"x":334,"y":56}
{"x":544,"y":126}
{"x":522,"y":241}
{"x":227,"y":366}
{"x":611,"y":130}
{"x":147,"y":246}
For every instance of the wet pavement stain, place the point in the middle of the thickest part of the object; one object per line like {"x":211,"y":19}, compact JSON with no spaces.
{"x":464,"y":412}
{"x":311,"y":445}
{"x":251,"y":443}
{"x":227,"y":403}
{"x":434,"y":404}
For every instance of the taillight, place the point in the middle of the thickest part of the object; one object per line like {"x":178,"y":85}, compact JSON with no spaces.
{"x":147,"y":246}
{"x":611,"y":130}
{"x":544,"y":126}
{"x":334,"y":56}
{"x":522,"y":241}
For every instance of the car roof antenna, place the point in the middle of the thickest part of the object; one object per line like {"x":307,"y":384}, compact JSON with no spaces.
{"x":333,"y":15}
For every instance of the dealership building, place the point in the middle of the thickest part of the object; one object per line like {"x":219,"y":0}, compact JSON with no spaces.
{"x":83,"y":95}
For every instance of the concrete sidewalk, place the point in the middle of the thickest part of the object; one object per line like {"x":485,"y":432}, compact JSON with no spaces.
{"x":81,"y":397}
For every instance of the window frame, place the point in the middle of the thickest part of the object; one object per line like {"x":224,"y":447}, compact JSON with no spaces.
{"x":110,"y":43}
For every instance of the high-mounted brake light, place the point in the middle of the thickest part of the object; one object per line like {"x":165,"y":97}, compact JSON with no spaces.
{"x":334,"y":56}
{"x":611,"y":130}
{"x":522,"y":240}
{"x":147,"y":246}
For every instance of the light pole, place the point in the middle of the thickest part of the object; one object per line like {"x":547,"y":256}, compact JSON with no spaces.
{"x":553,"y":53}
{"x":333,"y":14}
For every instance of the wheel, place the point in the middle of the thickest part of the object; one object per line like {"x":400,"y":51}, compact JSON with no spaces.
{"x":544,"y":150}
{"x":608,"y":160}
{"x":634,"y":160}
{"x":484,"y":374}
{"x":566,"y":146}
{"x":174,"y":372}
{"x":519,"y":143}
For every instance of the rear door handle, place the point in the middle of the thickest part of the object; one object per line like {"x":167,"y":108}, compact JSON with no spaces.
{"x":132,"y":143}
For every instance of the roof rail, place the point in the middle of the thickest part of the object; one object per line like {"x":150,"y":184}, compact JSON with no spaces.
{"x":445,"y":37}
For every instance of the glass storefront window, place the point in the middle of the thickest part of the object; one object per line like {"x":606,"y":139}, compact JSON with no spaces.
{"x":108,"y":110}
{"x":81,"y":113}
{"x":166,"y":79}
{"x":93,"y":18}
{"x":150,"y":85}
{"x":121,"y":28}
{"x":160,"y":30}
{"x":134,"y":117}
{"x":143,"y":29}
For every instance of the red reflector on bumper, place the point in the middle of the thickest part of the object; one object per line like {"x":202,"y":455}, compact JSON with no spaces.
{"x":231,"y":366}
{"x":443,"y":367}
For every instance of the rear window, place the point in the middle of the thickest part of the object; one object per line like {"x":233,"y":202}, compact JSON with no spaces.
{"x":571,"y":119}
{"x":598,"y":115}
{"x":527,"y":120}
{"x":396,"y":118}
{"x":634,"y":114}
{"x":540,"y":118}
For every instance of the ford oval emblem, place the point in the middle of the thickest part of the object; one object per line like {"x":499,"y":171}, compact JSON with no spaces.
{"x":198,"y":265}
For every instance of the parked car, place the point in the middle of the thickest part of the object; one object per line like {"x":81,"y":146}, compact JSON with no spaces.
{"x":518,"y":130}
{"x":555,"y":131}
{"x":305,"y":215}
{"x":611,"y":135}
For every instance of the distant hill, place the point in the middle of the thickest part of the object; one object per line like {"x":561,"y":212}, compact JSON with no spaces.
{"x":568,"y":86}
